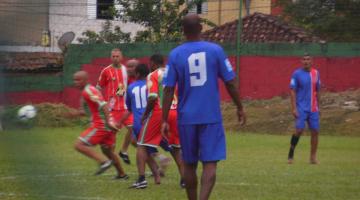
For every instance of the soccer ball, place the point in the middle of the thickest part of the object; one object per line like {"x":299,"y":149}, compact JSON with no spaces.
{"x":26,"y":112}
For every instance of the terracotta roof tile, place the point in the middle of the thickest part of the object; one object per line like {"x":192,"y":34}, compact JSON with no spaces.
{"x":259,"y":28}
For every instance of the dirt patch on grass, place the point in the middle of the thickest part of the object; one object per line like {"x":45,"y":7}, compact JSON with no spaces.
{"x":340,"y":115}
{"x":48,"y":115}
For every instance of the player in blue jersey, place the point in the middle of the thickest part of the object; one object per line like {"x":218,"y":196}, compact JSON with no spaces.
{"x":195,"y":67}
{"x":305,"y":97}
{"x":136,"y":101}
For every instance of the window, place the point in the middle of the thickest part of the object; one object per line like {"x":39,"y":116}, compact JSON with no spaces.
{"x":102,"y":9}
{"x":199,"y":8}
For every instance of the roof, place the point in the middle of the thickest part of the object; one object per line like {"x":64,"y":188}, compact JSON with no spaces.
{"x":31,"y":62}
{"x":259,"y":28}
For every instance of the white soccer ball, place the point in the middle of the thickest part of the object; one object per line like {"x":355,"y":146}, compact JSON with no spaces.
{"x":26,"y":112}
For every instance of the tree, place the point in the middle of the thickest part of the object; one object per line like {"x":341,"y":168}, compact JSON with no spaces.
{"x":332,"y":20}
{"x":108,"y":34}
{"x":161,"y":18}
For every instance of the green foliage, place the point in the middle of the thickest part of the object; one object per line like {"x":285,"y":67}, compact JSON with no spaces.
{"x":332,"y":21}
{"x":162,"y":19}
{"x":108,"y":34}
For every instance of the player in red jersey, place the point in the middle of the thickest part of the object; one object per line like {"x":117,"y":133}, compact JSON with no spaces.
{"x":102,"y":127}
{"x":113,"y":83}
{"x":150,"y":134}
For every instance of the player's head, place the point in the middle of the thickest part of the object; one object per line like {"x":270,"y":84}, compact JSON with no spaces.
{"x":116,"y":56}
{"x":130,"y":67}
{"x":80,"y":79}
{"x":192,"y":27}
{"x":141,"y":71}
{"x":156,"y":61}
{"x":307,"y":61}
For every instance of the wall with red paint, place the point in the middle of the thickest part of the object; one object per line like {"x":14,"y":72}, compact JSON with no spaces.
{"x":261,"y":77}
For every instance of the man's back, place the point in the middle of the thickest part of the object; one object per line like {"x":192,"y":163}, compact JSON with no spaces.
{"x":93,"y":101}
{"x":136,"y":99}
{"x":196,"y":66}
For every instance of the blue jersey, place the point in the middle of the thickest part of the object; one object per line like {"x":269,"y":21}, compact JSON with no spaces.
{"x":196,"y":67}
{"x":306,"y":85}
{"x":136,"y":101}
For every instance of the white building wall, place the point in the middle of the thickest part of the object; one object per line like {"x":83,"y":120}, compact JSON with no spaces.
{"x":75,"y":16}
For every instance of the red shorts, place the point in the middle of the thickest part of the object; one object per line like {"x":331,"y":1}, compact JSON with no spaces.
{"x":117,"y":115}
{"x":93,"y":136}
{"x":150,"y":134}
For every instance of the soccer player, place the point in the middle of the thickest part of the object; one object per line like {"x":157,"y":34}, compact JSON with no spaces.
{"x":136,"y":101}
{"x":113,"y":82}
{"x":101,"y":130}
{"x":305,"y":97}
{"x":130,"y":69}
{"x":195,"y":67}
{"x":150,"y":134}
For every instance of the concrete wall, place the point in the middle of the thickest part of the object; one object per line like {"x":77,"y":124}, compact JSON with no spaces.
{"x":69,"y":15}
{"x":261,"y":77}
{"x":22,"y":21}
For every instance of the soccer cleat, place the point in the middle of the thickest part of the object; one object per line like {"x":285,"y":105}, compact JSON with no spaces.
{"x":124,"y":157}
{"x":103,"y":167}
{"x":139,"y":184}
{"x":182,"y":183}
{"x":124,"y":177}
{"x":290,"y":161}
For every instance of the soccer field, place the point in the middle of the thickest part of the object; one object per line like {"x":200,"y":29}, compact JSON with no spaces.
{"x":42,"y":164}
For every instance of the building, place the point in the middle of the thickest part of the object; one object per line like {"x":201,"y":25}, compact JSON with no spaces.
{"x":26,"y":23}
{"x":222,"y":11}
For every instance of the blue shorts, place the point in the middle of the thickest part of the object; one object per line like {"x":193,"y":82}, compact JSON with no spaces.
{"x":136,"y":130}
{"x":204,"y":142}
{"x":312,"y":119}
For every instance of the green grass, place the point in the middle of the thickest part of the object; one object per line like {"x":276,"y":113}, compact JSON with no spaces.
{"x":42,"y":164}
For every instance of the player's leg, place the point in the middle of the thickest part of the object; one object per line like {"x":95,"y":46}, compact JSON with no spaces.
{"x":123,"y":153}
{"x":300,"y":125}
{"x":314,"y":125}
{"x":190,"y":154}
{"x":88,"y":138}
{"x":149,"y":136}
{"x":208,"y":179}
{"x":108,"y":148}
{"x":212,"y":149}
{"x":176,"y":154}
{"x":174,"y":142}
{"x":190,"y":178}
{"x":141,"y":158}
{"x":87,"y":150}
{"x":154,"y":167}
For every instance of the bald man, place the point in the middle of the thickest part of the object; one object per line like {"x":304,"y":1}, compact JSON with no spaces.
{"x":113,"y":83}
{"x":130,"y":68}
{"x":194,"y":67}
{"x":101,"y":131}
